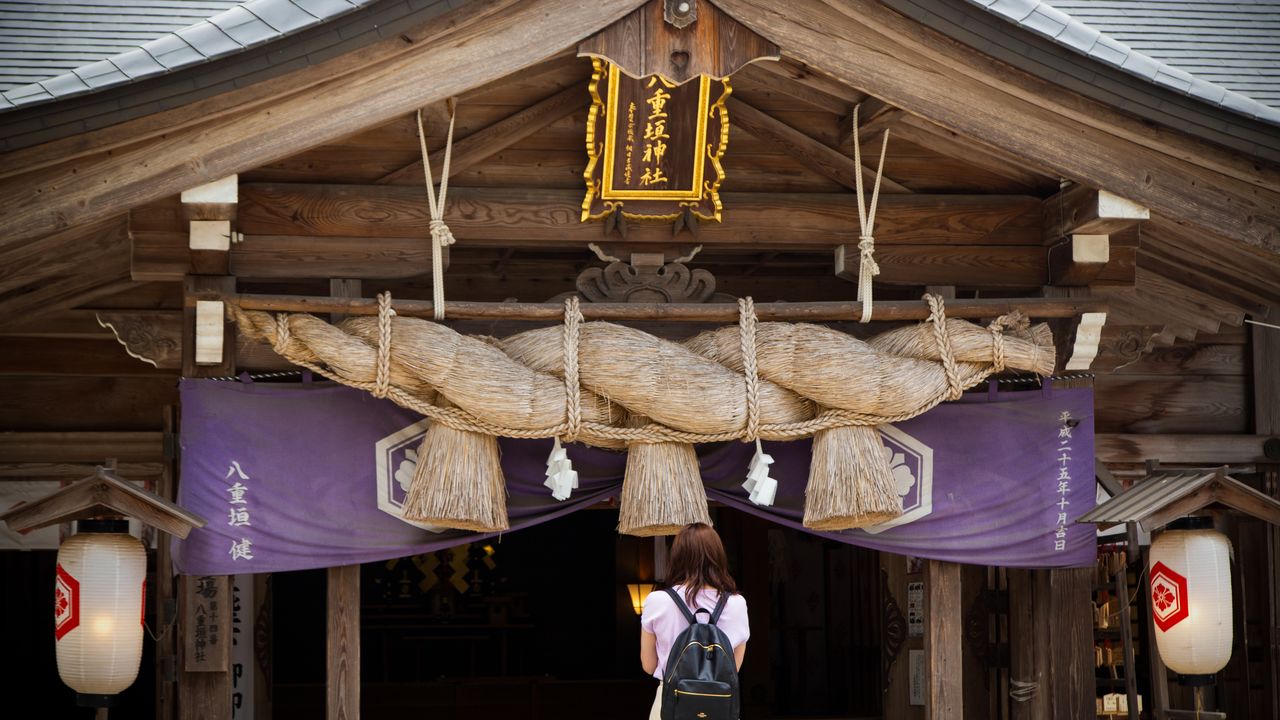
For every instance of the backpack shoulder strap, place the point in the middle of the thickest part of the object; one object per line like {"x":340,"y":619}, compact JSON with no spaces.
{"x":720,"y":604}
{"x":684,"y":609}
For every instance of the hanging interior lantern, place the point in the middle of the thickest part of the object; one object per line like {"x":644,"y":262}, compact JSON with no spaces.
{"x":1191,"y":598}
{"x":99,"y":604}
{"x":639,"y":593}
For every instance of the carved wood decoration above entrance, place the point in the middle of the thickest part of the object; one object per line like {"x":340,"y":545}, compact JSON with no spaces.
{"x":647,"y":279}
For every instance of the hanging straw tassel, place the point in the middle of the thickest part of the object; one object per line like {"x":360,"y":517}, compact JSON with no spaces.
{"x":662,"y":490}
{"x":850,"y":482}
{"x":459,"y":482}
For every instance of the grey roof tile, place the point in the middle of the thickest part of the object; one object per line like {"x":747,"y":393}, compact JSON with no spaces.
{"x":324,"y":8}
{"x":283,"y":17}
{"x":244,"y":27}
{"x":100,"y":74}
{"x":1202,"y":48}
{"x":209,"y":39}
{"x":64,"y":84}
{"x":137,"y":63}
{"x":1046,"y":22}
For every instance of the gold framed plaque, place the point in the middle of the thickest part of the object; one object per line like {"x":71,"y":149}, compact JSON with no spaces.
{"x":654,"y":147}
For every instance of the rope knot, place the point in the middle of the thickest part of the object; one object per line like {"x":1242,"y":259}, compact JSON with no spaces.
{"x":572,"y":391}
{"x":942,"y":338}
{"x":441,"y":235}
{"x":282,"y":335}
{"x":867,"y":256}
{"x":747,"y":339}
{"x":382,"y":379}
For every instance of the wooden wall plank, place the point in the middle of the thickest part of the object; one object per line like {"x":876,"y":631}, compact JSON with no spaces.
{"x":1178,"y":404}
{"x":84,"y":403}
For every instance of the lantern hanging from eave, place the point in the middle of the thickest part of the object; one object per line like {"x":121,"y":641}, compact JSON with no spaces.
{"x":1190,"y":571}
{"x":99,"y":603}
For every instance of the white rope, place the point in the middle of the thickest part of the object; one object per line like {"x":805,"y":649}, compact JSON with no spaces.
{"x":867,"y":267}
{"x":441,"y":237}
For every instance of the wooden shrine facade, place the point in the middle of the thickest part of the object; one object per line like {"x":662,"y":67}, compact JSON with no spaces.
{"x":1148,"y":244}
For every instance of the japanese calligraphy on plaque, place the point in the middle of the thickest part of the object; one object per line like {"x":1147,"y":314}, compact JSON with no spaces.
{"x":205,"y":604}
{"x":654,"y":146}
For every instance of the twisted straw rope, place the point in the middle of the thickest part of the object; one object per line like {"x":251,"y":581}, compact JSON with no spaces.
{"x":572,"y":391}
{"x":747,"y":333}
{"x":575,"y":426}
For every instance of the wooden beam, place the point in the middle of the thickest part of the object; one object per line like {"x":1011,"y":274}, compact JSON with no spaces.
{"x":61,"y":448}
{"x":811,"y":153}
{"x":66,"y":293}
{"x":770,"y":77}
{"x":1082,"y":210}
{"x":873,"y":48}
{"x":797,"y":73}
{"x":705,"y":312}
{"x":1079,"y":260}
{"x":77,"y":471}
{"x":208,"y":339}
{"x":874,"y":117}
{"x":943,"y":641}
{"x":481,"y":144}
{"x":68,"y":356}
{"x":84,"y":403}
{"x":921,"y":132}
{"x":1183,"y":449}
{"x":64,"y":253}
{"x":241,"y":130}
{"x":982,"y":266}
{"x":546,"y":218}
{"x":1160,"y":262}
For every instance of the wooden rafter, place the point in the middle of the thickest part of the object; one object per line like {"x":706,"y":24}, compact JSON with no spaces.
{"x":945,"y":142}
{"x":815,"y":155}
{"x":481,"y":144}
{"x":63,"y":253}
{"x":768,"y":76}
{"x":457,"y":51}
{"x":893,"y":57}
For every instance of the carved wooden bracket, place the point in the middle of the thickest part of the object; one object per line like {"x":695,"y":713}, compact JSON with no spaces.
{"x":647,"y":279}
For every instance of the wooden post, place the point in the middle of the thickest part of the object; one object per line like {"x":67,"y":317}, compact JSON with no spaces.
{"x":1159,"y":700}
{"x":167,"y":657}
{"x":342,"y":679}
{"x":1266,"y":403}
{"x":208,"y":350}
{"x":1071,"y":638}
{"x":943,"y":639}
{"x":1027,"y":698}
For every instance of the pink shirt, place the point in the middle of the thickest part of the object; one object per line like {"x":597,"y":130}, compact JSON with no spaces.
{"x":662,"y":618}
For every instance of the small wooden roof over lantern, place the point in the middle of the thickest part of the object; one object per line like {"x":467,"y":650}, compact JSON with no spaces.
{"x":1164,"y":496}
{"x":103,"y":494}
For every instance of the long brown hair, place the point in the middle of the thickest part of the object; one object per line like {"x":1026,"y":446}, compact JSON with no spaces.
{"x":698,"y":561}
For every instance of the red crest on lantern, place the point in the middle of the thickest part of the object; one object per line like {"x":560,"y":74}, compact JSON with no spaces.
{"x":66,"y":603}
{"x":1168,"y":597}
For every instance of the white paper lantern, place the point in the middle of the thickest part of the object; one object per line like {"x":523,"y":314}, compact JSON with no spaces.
{"x":99,"y":601}
{"x":1191,"y":600}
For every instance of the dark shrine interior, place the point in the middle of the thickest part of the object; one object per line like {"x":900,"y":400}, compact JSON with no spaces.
{"x":536,"y":624}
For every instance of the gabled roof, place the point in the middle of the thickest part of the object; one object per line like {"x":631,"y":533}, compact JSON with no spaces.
{"x":1222,"y":52}
{"x":52,"y":50}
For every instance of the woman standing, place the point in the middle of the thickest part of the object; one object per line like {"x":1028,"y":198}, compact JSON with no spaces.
{"x":698,"y":571}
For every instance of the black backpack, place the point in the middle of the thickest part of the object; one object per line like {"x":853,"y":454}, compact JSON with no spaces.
{"x":701,"y":675}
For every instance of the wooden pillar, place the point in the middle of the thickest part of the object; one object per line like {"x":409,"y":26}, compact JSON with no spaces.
{"x":1266,"y":404}
{"x":1028,"y":701}
{"x":943,"y":641}
{"x":342,"y":677}
{"x":1070,"y":631}
{"x":208,"y":350}
{"x":167,"y":657}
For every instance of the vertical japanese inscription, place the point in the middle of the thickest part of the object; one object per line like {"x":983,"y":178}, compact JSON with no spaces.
{"x":655,"y":147}
{"x":206,"y":612}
